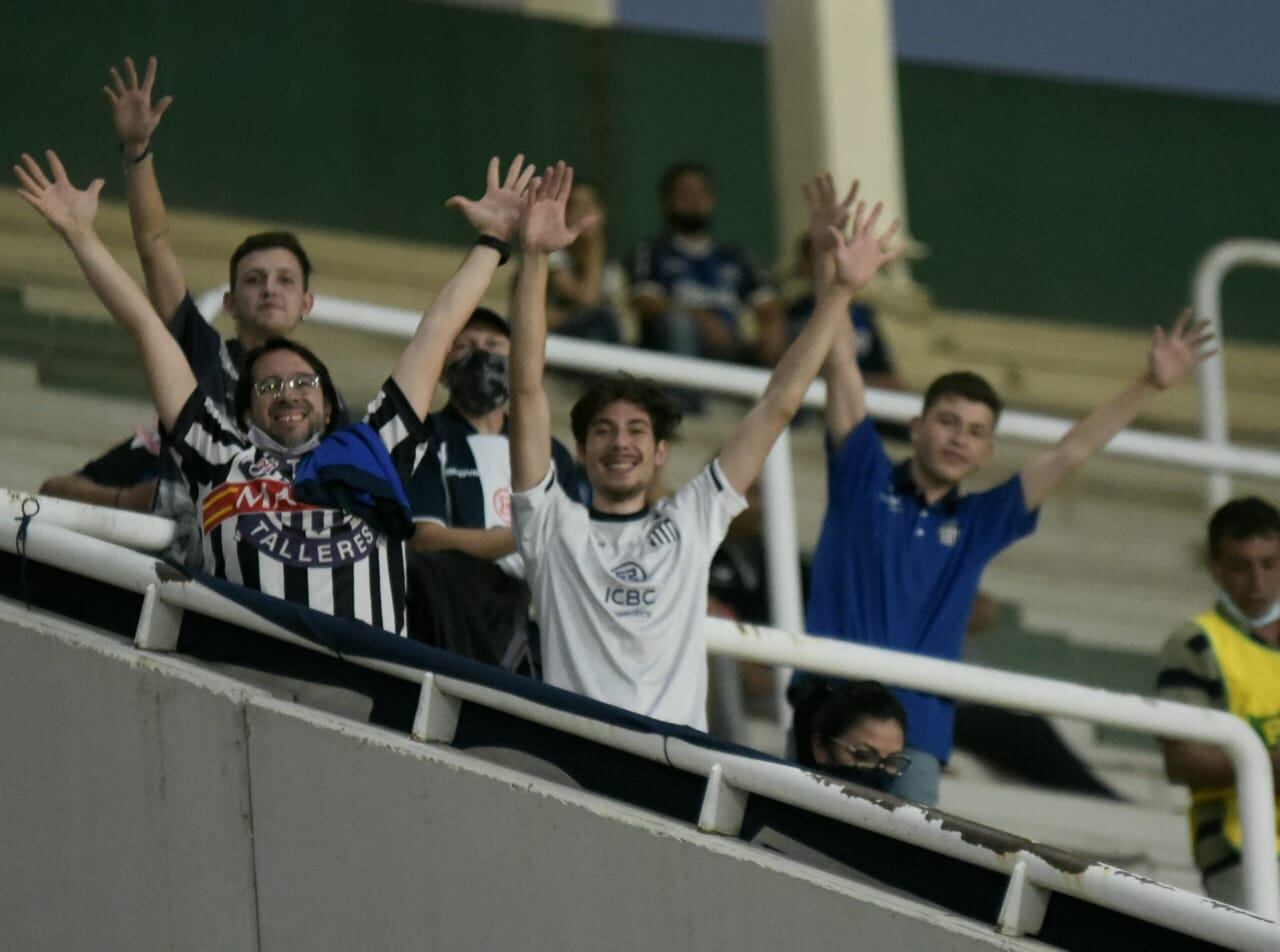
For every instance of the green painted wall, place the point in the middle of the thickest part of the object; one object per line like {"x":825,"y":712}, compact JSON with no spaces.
{"x":367,"y":115}
{"x":1086,"y":202}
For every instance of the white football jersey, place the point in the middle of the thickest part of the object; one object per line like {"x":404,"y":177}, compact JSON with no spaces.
{"x":621,"y":600}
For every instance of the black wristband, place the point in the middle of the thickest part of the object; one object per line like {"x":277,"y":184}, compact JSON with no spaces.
{"x":132,"y":161}
{"x":503,"y":248}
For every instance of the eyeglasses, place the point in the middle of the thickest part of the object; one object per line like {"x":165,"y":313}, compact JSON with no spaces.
{"x":274,"y":386}
{"x":867,"y":757}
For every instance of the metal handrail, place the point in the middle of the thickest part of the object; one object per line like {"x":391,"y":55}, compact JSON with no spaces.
{"x":166,"y":593}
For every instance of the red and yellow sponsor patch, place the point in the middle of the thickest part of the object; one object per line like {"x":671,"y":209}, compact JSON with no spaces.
{"x":258,"y":495}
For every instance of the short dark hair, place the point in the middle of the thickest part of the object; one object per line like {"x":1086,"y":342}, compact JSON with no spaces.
{"x":676,"y":169}
{"x":490,"y":319}
{"x":824,"y":709}
{"x":965,"y":384}
{"x":1240,"y":519}
{"x":664,"y":410}
{"x":272,"y":239}
{"x":244,"y":386}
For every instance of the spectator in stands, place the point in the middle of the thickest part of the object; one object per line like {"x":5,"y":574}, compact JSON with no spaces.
{"x":466,"y":580}
{"x":246,"y":471}
{"x":854,"y":731}
{"x":689,"y":290}
{"x":584,"y":283}
{"x":269,"y":295}
{"x":124,"y":477}
{"x":1228,"y":658}
{"x":621,"y":587}
{"x":901,"y":550}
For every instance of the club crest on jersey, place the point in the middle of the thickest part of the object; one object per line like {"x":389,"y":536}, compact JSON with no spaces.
{"x":630,"y":572}
{"x":264,"y":466}
{"x":664,"y":533}
{"x":271,"y":535}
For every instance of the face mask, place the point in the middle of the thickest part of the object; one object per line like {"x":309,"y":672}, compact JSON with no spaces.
{"x":872,"y":777}
{"x":1271,"y":615}
{"x":688,"y":224}
{"x":267,"y":443}
{"x":478,"y":382}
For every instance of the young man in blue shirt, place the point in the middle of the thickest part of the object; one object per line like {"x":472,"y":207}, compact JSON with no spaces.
{"x":902,"y":549}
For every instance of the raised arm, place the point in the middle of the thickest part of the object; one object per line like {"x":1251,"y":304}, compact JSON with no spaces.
{"x":70,"y":212}
{"x":1170,"y":361}
{"x":135,"y":118}
{"x":542,"y":231}
{"x":846,"y":390}
{"x":497,"y":215}
{"x":856,"y":261}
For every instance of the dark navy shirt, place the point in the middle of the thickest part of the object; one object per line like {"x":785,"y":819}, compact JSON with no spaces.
{"x":713,"y":276}
{"x":893,"y":572}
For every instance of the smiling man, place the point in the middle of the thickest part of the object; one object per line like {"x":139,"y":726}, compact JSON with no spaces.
{"x":621,"y":586}
{"x":241,"y":468}
{"x":902,"y":550}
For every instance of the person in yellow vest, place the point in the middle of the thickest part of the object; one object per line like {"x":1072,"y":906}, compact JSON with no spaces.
{"x":1228,"y":658}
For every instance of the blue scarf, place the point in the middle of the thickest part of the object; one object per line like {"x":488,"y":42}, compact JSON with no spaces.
{"x":351,"y":470}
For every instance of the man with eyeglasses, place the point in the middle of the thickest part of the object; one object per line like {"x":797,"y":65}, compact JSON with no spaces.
{"x":241,"y":469}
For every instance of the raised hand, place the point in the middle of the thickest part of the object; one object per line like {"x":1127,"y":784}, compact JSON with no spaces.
{"x":826,"y":211}
{"x":543,"y":229}
{"x":499,"y":210}
{"x":862,"y":254}
{"x":1174,"y":355}
{"x":68,"y":209}
{"x":132,"y":111}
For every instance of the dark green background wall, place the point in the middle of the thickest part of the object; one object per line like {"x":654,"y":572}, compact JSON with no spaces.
{"x":367,"y":115}
{"x":1086,"y":202}
{"x":1036,"y":197}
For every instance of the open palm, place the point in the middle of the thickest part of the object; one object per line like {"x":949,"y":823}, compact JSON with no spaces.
{"x":543,"y":229}
{"x":499,"y":210}
{"x":826,"y":211}
{"x":1173,"y":356}
{"x":68,"y":209}
{"x":862,"y":254}
{"x":132,"y":111}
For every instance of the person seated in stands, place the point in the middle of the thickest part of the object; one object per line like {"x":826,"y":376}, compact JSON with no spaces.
{"x":124,"y":477}
{"x":901,"y":550}
{"x":269,"y":292}
{"x":855,"y":731}
{"x":584,"y":283}
{"x":342,"y":554}
{"x":466,"y":580}
{"x":689,"y":290}
{"x":1228,"y":658}
{"x":620,"y":587}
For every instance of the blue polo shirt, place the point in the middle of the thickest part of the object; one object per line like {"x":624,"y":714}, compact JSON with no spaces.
{"x":893,"y":572}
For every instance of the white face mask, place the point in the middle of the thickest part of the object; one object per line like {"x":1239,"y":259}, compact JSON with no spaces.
{"x":1268,"y":617}
{"x":266,"y":442}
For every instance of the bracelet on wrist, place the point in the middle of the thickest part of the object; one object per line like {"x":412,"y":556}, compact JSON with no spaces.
{"x":503,"y":248}
{"x":135,"y":160}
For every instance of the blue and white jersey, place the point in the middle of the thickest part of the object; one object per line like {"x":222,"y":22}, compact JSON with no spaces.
{"x":698,"y":275}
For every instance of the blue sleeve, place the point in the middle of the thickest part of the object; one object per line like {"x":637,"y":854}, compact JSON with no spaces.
{"x":1000,"y":517}
{"x":874,"y":358}
{"x":203,"y":348}
{"x":566,"y":468}
{"x":856,"y":466}
{"x":428,"y":500}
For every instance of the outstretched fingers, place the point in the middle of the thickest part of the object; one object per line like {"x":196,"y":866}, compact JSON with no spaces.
{"x":149,"y":78}
{"x":566,"y":182}
{"x":131,"y":72}
{"x":117,"y":81}
{"x":55,"y":165}
{"x":848,"y":199}
{"x":37,"y":173}
{"x":513,"y":173}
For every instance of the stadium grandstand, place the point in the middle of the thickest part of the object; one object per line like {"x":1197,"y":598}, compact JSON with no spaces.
{"x":409,"y":747}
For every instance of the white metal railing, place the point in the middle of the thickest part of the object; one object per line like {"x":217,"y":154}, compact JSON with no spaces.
{"x":1206,"y":295}
{"x":167,"y":595}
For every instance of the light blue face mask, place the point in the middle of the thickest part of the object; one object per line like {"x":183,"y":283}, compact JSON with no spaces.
{"x":267,"y":443}
{"x":1270,"y":616}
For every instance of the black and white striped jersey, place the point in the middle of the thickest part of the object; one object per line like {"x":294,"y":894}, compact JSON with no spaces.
{"x":257,"y":534}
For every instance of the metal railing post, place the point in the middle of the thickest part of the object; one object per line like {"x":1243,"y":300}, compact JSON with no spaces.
{"x":782,"y":554}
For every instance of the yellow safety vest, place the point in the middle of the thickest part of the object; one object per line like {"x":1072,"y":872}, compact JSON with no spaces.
{"x":1251,"y":678}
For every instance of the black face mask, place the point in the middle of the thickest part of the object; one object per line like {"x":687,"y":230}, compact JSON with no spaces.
{"x":872,"y":777}
{"x":688,"y":224}
{"x":478,"y":382}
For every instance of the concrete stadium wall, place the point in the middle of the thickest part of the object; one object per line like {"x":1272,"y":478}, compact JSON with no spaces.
{"x":146,"y":803}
